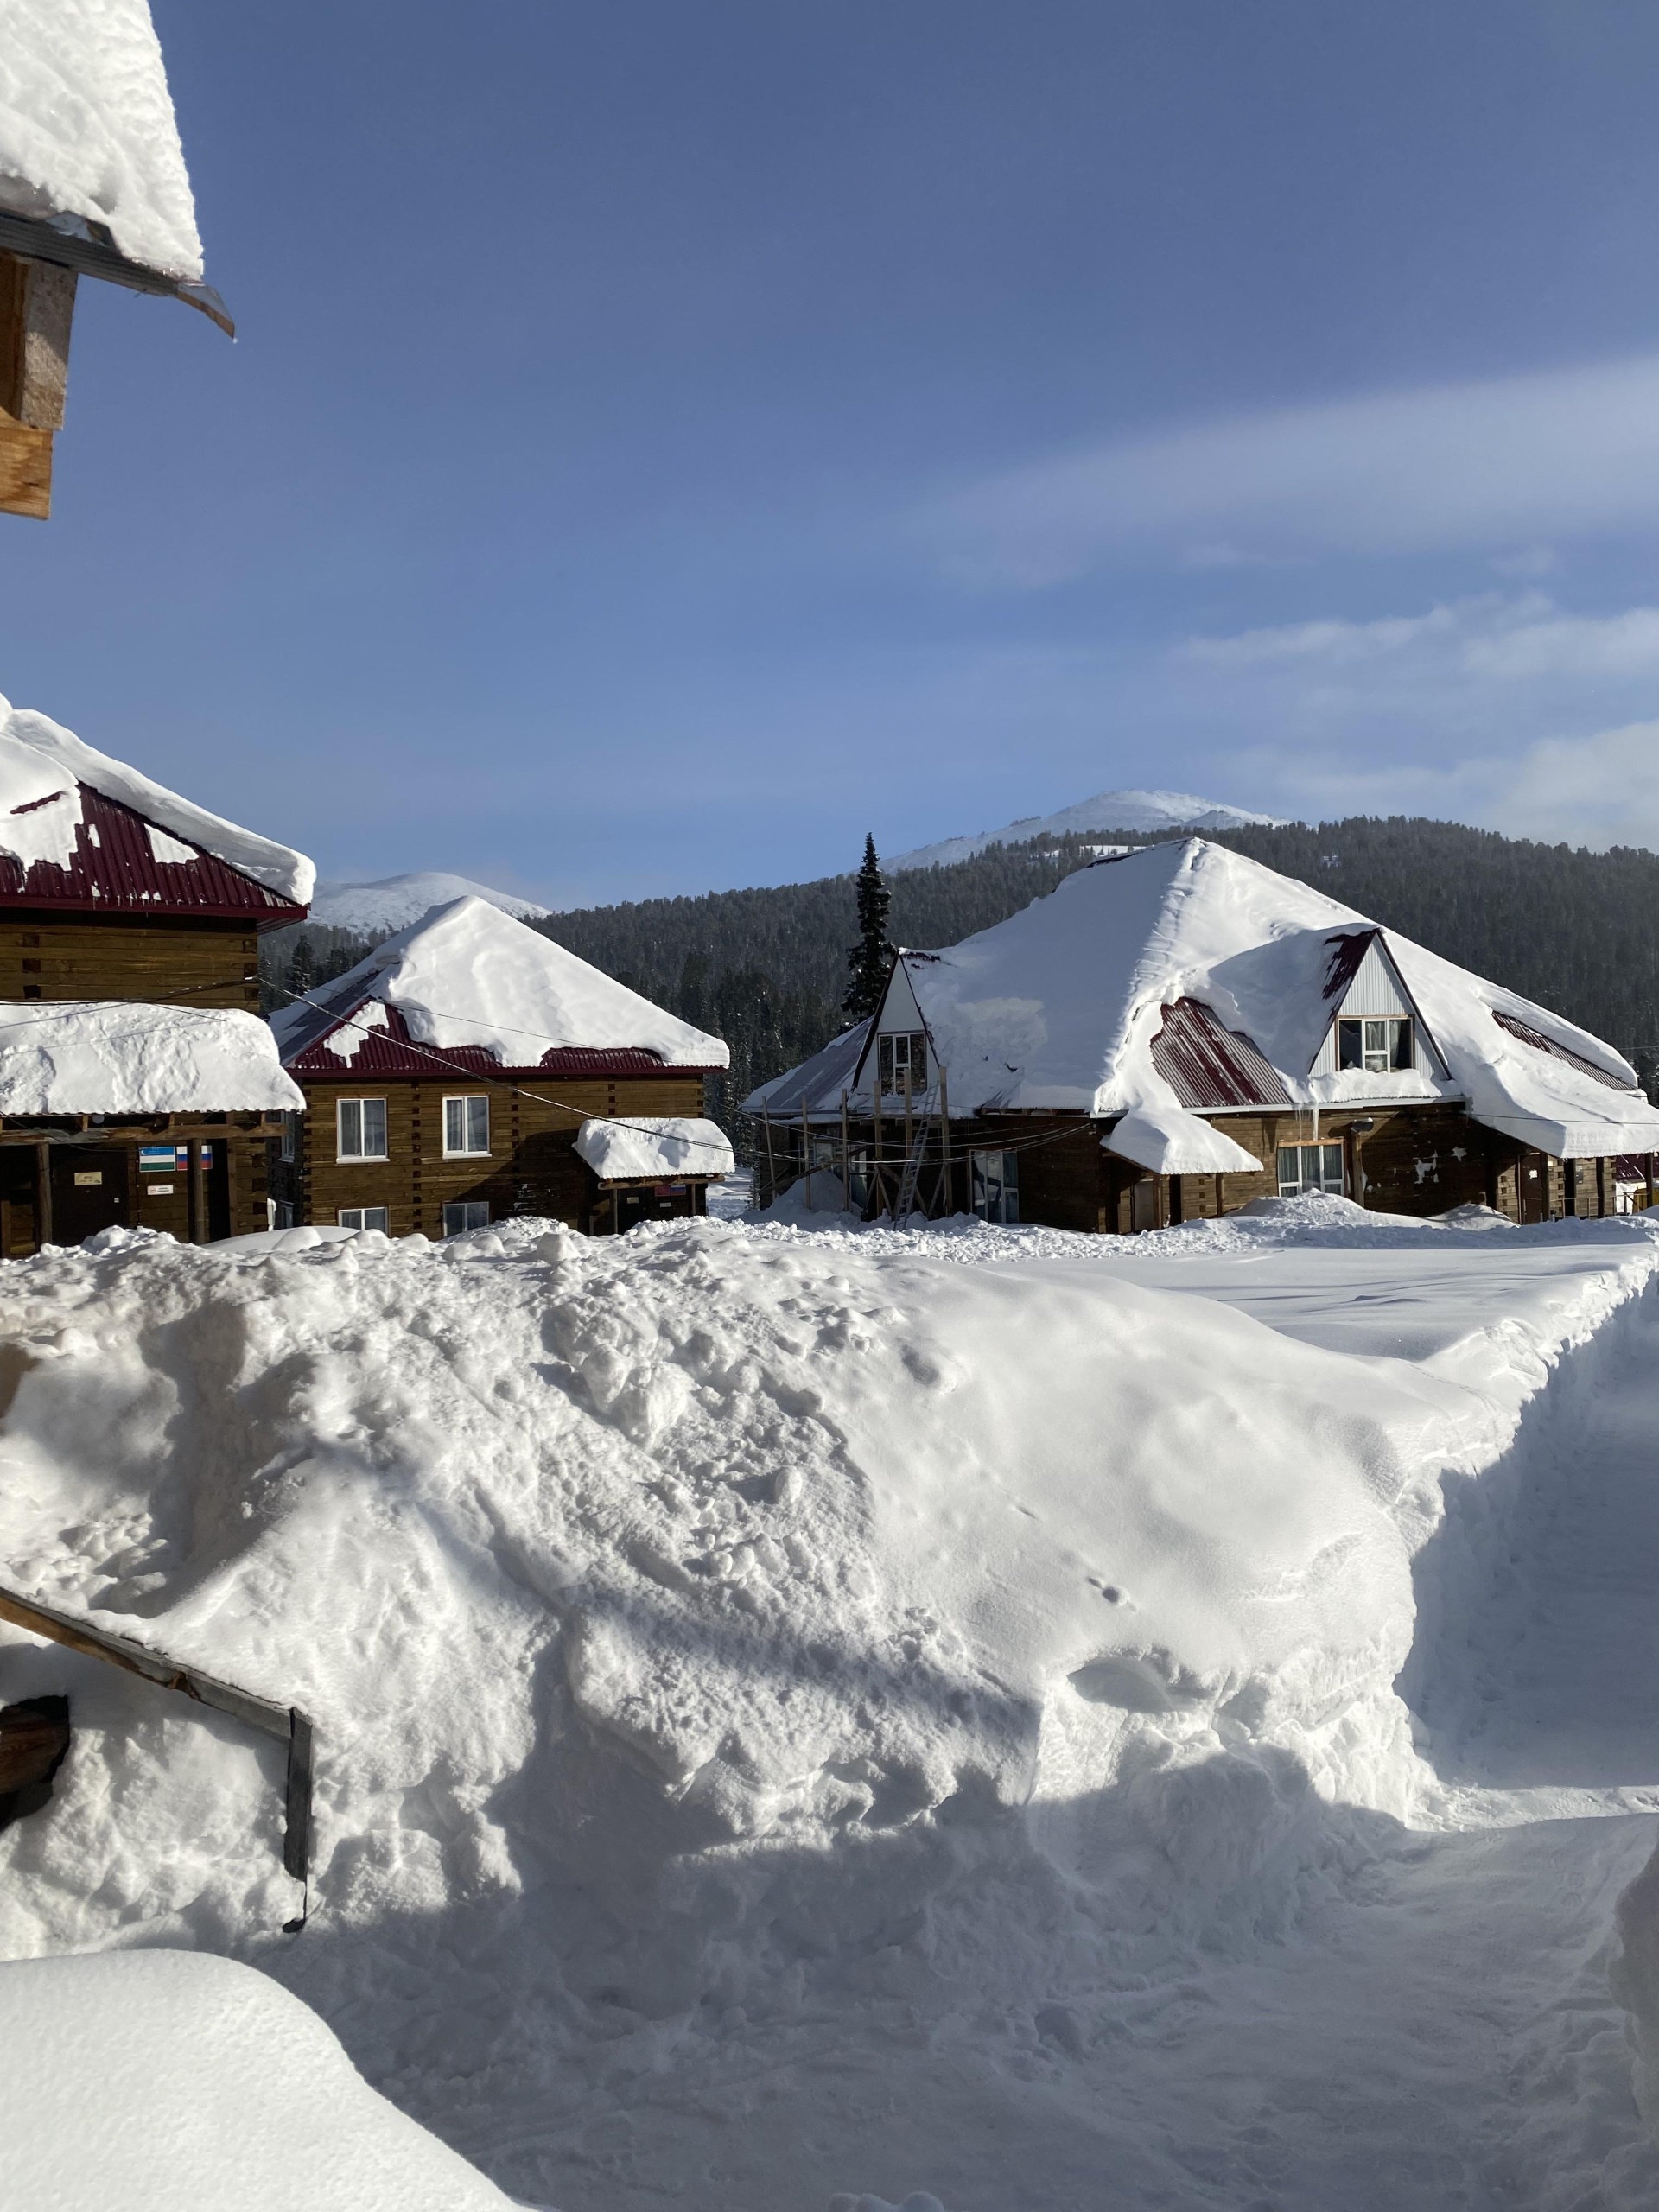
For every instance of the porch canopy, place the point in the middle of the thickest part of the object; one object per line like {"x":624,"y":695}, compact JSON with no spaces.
{"x":646,"y":1148}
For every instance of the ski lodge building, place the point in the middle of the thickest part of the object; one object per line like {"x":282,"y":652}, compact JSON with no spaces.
{"x":1174,"y":1033}
{"x":138,"y":1084}
{"x":470,"y":1069}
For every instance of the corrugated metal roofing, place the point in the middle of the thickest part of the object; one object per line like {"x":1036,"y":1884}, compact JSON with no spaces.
{"x":1207,"y":1065}
{"x":115,"y":870}
{"x":1347,"y":953}
{"x":1540,"y":1043}
{"x":391,"y":1052}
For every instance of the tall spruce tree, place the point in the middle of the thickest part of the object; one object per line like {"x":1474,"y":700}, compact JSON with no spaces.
{"x":867,"y":961}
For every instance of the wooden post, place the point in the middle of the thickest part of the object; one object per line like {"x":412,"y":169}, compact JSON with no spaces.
{"x":846,"y":1160}
{"x":37,"y":302}
{"x":946,"y":1206}
{"x":876,"y":1157}
{"x":806,"y":1152}
{"x":198,"y":1195}
{"x":909,"y":1140}
{"x":42,"y":1195}
{"x":771,"y":1166}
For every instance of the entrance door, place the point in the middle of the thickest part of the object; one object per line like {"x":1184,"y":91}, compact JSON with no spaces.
{"x":1532,"y":1187}
{"x":89,"y":1193}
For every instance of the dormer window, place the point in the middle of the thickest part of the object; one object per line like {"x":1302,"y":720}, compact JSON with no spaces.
{"x":1378,"y":1046}
{"x":904,"y":1062}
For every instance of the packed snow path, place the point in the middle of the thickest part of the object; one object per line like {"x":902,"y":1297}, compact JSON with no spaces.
{"x":842,"y":1711}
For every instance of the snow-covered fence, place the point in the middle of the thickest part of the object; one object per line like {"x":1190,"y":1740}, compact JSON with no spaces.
{"x":286,"y":1722}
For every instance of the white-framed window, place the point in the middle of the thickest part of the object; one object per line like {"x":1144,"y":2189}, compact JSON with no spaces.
{"x":466,"y":1125}
{"x":1375,"y":1045}
{"x":360,"y":1128}
{"x":1310,"y":1168}
{"x":462,"y":1214}
{"x":996,"y":1185}
{"x":363,"y":1217}
{"x":903,"y":1055}
{"x":289,"y":1149}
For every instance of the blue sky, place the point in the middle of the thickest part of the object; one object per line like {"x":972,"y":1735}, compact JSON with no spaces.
{"x":665,"y":440}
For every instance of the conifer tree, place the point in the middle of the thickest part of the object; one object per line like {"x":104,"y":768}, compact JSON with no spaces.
{"x":868,"y":960}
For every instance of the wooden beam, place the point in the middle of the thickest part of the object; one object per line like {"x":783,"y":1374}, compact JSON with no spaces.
{"x":287,"y":1723}
{"x":42,"y":1195}
{"x":25,"y":470}
{"x":37,"y":309}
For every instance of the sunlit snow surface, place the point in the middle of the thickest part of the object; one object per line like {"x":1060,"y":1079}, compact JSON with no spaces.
{"x":807,"y":1709}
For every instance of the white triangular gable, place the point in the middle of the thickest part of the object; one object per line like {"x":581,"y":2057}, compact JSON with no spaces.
{"x":1377,"y":990}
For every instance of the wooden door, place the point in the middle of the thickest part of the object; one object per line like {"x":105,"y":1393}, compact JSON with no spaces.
{"x":89,"y":1193}
{"x":1532,"y":1187}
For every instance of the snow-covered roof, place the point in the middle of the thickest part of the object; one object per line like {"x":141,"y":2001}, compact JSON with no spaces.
{"x":822,"y":1079}
{"x":468,"y":977}
{"x":654,"y":1148}
{"x":375,"y":910}
{"x":45,"y":770}
{"x":87,"y":128}
{"x":1076,"y":1005}
{"x":117,"y":1056}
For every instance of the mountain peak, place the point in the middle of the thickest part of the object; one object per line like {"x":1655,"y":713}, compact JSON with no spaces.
{"x":1139,"y":811}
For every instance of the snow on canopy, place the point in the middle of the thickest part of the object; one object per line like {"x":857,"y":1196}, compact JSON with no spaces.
{"x":1058,"y":1008}
{"x":87,"y":128}
{"x":43,"y":769}
{"x":652,"y":1145}
{"x":468,"y":977}
{"x":107,"y":1055}
{"x":156,"y":2078}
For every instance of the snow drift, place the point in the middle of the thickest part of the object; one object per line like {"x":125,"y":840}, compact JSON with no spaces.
{"x":721,"y":1629}
{"x":161,"y":2079}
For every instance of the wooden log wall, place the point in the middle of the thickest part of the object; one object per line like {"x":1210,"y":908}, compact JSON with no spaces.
{"x":183,"y":963}
{"x":532,"y":1166}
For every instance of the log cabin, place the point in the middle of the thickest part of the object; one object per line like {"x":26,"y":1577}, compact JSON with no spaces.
{"x":92,"y":183}
{"x":1176,"y":1033}
{"x":138,"y":1085}
{"x":471,"y":1068}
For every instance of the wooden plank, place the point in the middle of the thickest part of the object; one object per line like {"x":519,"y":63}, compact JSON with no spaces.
{"x":48,"y":311}
{"x":25,"y":472}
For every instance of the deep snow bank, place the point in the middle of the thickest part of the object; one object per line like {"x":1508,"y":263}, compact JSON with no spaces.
{"x":727,"y":1625}
{"x":157,"y":2079}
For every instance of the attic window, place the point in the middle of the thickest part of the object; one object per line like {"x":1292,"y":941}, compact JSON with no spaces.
{"x":1378,"y":1046}
{"x":904,"y":1062}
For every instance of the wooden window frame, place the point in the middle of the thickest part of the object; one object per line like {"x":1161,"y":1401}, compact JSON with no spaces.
{"x":467,"y":1206}
{"x":362,"y":1224}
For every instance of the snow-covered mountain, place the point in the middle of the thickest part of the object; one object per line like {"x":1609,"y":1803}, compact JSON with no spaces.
{"x":1147,"y":811}
{"x":376,"y":910}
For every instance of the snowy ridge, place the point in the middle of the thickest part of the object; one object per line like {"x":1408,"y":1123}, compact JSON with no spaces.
{"x":376,"y":910}
{"x":736,"y":1645}
{"x":86,"y":127}
{"x":468,"y":974}
{"x":42,"y":766}
{"x":1148,"y":811}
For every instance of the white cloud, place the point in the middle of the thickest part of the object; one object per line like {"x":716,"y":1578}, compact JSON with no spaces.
{"x":1600,"y":790}
{"x":1520,"y":638}
{"x":1510,"y":463}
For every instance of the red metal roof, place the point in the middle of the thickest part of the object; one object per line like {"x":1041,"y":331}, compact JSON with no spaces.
{"x":1540,"y":1043}
{"x":1347,"y":953}
{"x":391,"y":1052}
{"x":114,"y":870}
{"x":1207,"y":1065}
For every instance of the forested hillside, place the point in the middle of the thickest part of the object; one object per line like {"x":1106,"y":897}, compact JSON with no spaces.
{"x":766,"y":969}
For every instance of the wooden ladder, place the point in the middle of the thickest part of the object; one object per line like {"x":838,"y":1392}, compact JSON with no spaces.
{"x":905,"y":1205}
